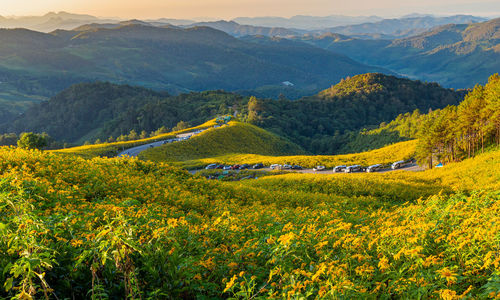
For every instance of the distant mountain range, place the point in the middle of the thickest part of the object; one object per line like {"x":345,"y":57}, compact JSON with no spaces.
{"x":402,"y":27}
{"x":456,"y":55}
{"x":165,"y":58}
{"x":364,"y":27}
{"x":306,"y":22}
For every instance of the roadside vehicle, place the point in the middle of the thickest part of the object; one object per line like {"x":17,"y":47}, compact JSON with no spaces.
{"x":296,"y":167}
{"x":354,"y":168}
{"x":235,"y":167}
{"x":287,"y":167}
{"x":319,"y":168}
{"x":211,"y":167}
{"x":258,"y":166}
{"x":244,"y":166}
{"x":398,"y":164}
{"x":339,"y":169}
{"x":276,"y":167}
{"x":374,"y":168}
{"x":220,"y":167}
{"x":226,"y":168}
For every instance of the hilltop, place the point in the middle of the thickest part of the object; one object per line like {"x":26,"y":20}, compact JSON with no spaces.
{"x":232,"y":139}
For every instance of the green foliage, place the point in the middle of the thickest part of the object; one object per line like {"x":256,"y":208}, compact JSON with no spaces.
{"x":462,"y":131}
{"x":30,"y":140}
{"x":320,"y":123}
{"x":8,"y":139}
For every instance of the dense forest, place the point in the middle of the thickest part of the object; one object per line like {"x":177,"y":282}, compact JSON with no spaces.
{"x":320,"y":124}
{"x":445,"y":135}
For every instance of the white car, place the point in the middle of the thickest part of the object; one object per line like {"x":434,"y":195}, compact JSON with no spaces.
{"x":319,"y":168}
{"x":339,"y":169}
{"x":276,"y":167}
{"x":355,"y":168}
{"x":397,"y":164}
{"x":374,"y":168}
{"x":211,"y":166}
{"x":285,"y":166}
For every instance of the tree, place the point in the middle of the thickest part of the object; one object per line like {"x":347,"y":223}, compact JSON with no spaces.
{"x":30,"y":140}
{"x":180,"y":126}
{"x":133,"y":135}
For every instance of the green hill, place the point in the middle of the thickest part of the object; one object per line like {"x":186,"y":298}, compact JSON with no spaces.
{"x":317,"y":123}
{"x":234,"y":138}
{"x":166,"y":58}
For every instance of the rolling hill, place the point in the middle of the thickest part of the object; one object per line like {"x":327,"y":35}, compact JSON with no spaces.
{"x":457,"y":56}
{"x":163,"y":58}
{"x":232,"y":139}
{"x":317,"y":123}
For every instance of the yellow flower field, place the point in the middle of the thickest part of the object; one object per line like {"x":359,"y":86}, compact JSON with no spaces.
{"x":123,"y":228}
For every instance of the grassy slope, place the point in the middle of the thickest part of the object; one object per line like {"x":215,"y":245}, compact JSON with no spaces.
{"x":236,"y":138}
{"x":385,"y":155}
{"x":112,"y":149}
{"x":478,"y":173}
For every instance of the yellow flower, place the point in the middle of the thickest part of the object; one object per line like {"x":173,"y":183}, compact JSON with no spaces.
{"x":286,"y":239}
{"x":448,"y":294}
{"x":383,"y":264}
{"x":230,"y":284}
{"x":447,"y":274}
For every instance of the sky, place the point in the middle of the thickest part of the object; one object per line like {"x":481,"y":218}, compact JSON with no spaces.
{"x":228,"y":9}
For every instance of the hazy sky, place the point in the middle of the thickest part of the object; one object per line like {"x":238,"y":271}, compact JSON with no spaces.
{"x":228,"y":9}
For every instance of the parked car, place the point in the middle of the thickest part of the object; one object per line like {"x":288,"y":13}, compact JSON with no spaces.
{"x":276,"y":167}
{"x":226,"y":168}
{"x":296,"y":167}
{"x":258,"y":166}
{"x":244,"y":166}
{"x":354,"y":168}
{"x":398,"y":164}
{"x":287,"y":167}
{"x":319,"y":168}
{"x":339,"y":169}
{"x":220,"y":167}
{"x":374,"y":168}
{"x":235,"y":167}
{"x":211,"y":167}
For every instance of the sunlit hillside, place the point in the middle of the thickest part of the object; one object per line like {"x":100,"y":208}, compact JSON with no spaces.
{"x":189,"y":157}
{"x":231,"y":139}
{"x":73,"y":227}
{"x":112,"y":149}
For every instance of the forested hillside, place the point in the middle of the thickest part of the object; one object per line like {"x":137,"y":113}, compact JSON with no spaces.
{"x":165,"y":58}
{"x":454,"y":55}
{"x":316,"y":123}
{"x":445,"y":135}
